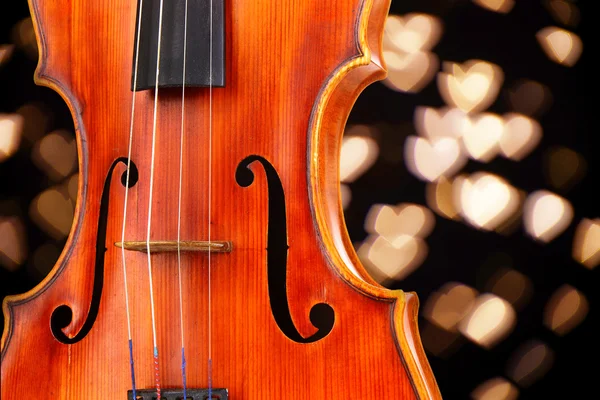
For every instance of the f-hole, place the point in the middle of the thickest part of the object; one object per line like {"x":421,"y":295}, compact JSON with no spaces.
{"x":63,"y":315}
{"x":321,"y":315}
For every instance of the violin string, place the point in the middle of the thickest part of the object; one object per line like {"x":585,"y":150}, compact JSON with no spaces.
{"x":179,"y":205}
{"x":156,"y":367}
{"x":135,"y":75}
{"x":210,"y":111}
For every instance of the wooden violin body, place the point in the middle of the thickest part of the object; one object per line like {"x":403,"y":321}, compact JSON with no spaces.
{"x":294,"y":314}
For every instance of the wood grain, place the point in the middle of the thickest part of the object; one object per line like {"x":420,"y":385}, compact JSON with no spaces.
{"x":294,"y":71}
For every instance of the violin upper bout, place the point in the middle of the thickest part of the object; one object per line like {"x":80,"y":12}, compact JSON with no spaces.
{"x":52,"y":23}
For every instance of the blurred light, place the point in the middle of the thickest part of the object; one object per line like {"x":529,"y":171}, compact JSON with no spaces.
{"x":586,"y":244}
{"x":512,"y":286}
{"x":445,"y":122}
{"x":44,"y":258}
{"x":429,"y":160}
{"x":409,"y":72}
{"x":406,"y":44}
{"x":530,"y":362}
{"x":546,"y":215}
{"x":52,"y":211}
{"x":10,"y":134}
{"x":359,"y":153}
{"x":6,"y":51}
{"x":513,"y":222}
{"x":499,"y":6}
{"x":36,"y":120}
{"x":561,"y":46}
{"x":449,"y":305}
{"x":521,"y":136}
{"x":472,"y":86}
{"x":438,"y":341}
{"x":439,"y":198}
{"x":13,"y":243}
{"x":56,"y":154}
{"x":392,"y":260}
{"x":403,"y":219}
{"x":563,"y":167}
{"x":482,"y":140}
{"x":495,"y":389}
{"x":564,"y":12}
{"x":490,"y":321}
{"x":565,"y":310}
{"x":529,"y":97}
{"x":411,"y":33}
{"x":486,"y":201}
{"x":72,"y":185}
{"x":23,"y":35}
{"x":346,"y":194}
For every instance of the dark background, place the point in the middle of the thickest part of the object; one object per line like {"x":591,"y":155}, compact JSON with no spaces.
{"x":458,"y":252}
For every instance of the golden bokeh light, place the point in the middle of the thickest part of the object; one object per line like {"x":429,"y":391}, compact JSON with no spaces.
{"x":495,"y":389}
{"x":345,"y":193}
{"x":565,"y":310}
{"x":449,"y":305}
{"x":56,"y":154}
{"x":530,"y":362}
{"x":499,"y":6}
{"x":6,"y":51}
{"x":482,"y":140}
{"x":402,"y":219}
{"x":406,"y":44}
{"x":490,"y":320}
{"x":387,"y":261}
{"x":521,"y":135}
{"x":52,"y":210}
{"x":565,"y":12}
{"x":36,"y":120}
{"x":43,"y":259}
{"x":72,"y":185}
{"x":546,"y":215}
{"x":409,"y":72}
{"x":411,"y":33}
{"x":563,"y":167}
{"x":472,"y":86}
{"x":437,"y":341}
{"x":23,"y":36}
{"x":529,"y":97}
{"x":485,"y":201}
{"x":444,"y":122}
{"x":561,"y":46}
{"x":586,"y":244}
{"x":430,"y":160}
{"x":11,"y":128}
{"x":512,"y":286}
{"x":439,"y":198}
{"x":13,"y":243}
{"x":359,"y":152}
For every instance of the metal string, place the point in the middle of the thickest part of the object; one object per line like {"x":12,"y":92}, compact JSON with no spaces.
{"x":210,"y":77}
{"x":179,"y":205}
{"x":135,"y":74}
{"x":156,"y":368}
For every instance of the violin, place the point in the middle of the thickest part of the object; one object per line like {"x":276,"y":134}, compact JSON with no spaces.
{"x":208,"y":257}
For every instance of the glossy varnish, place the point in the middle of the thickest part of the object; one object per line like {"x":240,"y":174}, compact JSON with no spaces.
{"x":294,"y":70}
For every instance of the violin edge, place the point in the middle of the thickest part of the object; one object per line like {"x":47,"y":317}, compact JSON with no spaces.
{"x":340,"y":92}
{"x":43,"y":76}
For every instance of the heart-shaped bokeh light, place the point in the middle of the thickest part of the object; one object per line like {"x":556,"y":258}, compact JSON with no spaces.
{"x":546,"y":215}
{"x":586,"y":244}
{"x":561,"y":46}
{"x":472,"y":86}
{"x":485,"y":200}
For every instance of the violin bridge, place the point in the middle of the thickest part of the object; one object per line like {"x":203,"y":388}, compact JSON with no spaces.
{"x":177,"y":394}
{"x":166,"y":246}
